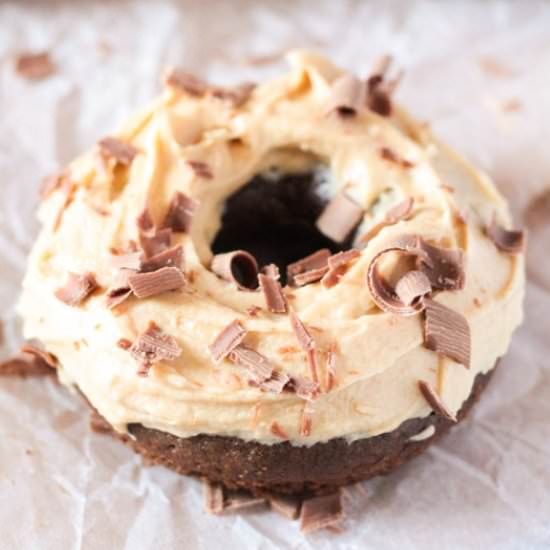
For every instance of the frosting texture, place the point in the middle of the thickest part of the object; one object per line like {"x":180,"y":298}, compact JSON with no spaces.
{"x":376,"y":357}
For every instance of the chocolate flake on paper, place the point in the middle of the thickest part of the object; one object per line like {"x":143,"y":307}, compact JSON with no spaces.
{"x":213,"y":497}
{"x":321,"y":512}
{"x":34,"y":65}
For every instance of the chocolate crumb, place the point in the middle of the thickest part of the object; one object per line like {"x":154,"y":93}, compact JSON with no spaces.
{"x":77,"y":288}
{"x":34,"y":65}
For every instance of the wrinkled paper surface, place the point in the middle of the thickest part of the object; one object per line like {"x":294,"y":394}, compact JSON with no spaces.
{"x":479,"y":72}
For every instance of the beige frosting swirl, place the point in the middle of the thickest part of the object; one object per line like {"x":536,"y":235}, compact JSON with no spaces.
{"x":380,"y":356}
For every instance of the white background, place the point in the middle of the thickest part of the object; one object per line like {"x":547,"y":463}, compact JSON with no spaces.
{"x":485,"y":486}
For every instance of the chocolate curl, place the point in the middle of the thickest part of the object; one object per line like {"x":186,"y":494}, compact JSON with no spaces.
{"x":348,"y":96}
{"x":238,"y":267}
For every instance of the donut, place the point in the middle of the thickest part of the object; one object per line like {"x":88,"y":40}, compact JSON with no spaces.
{"x":284,"y":287}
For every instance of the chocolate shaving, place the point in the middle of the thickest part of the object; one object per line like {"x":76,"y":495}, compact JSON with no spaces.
{"x":180,"y":213}
{"x":412,"y":286}
{"x":380,"y":90}
{"x":303,"y":388}
{"x":52,"y":183}
{"x":171,"y":257}
{"x":200,"y":169}
{"x":275,"y":384}
{"x":154,"y":242}
{"x":506,"y":240}
{"x":121,"y":152}
{"x":144,"y":221}
{"x":186,"y":82}
{"x":447,"y":332}
{"x":34,"y":66}
{"x":153,"y":345}
{"x":272,"y":271}
{"x":401,"y":211}
{"x":213,"y":498}
{"x":45,"y":356}
{"x":308,"y":269}
{"x":435,"y":402}
{"x":76,"y":289}
{"x":258,"y":367}
{"x":287,"y":506}
{"x":443,"y":266}
{"x":227,"y":340}
{"x":338,"y":266}
{"x":339,"y":218}
{"x":115,"y":297}
{"x":303,"y":336}
{"x":237,"y":95}
{"x":330,"y":371}
{"x":321,"y":512}
{"x":391,"y":156}
{"x":132,"y":260}
{"x":311,"y":276}
{"x":274,"y":298}
{"x":238,"y":267}
{"x":348,"y":96}
{"x":277,"y":430}
{"x":306,"y":420}
{"x":156,"y":282}
{"x":124,"y":343}
{"x":312,"y":364}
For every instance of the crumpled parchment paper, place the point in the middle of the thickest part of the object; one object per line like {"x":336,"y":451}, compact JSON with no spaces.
{"x":479,"y":72}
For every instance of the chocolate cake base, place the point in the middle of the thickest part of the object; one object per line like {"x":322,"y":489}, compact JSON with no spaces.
{"x":284,"y":468}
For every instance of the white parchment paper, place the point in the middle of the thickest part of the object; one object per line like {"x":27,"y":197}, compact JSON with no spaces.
{"x":479,"y":72}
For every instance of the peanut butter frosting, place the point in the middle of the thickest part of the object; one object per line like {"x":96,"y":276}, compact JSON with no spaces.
{"x":207,"y":146}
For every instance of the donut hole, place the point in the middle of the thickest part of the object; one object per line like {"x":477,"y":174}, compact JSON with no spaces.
{"x":273,"y":218}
